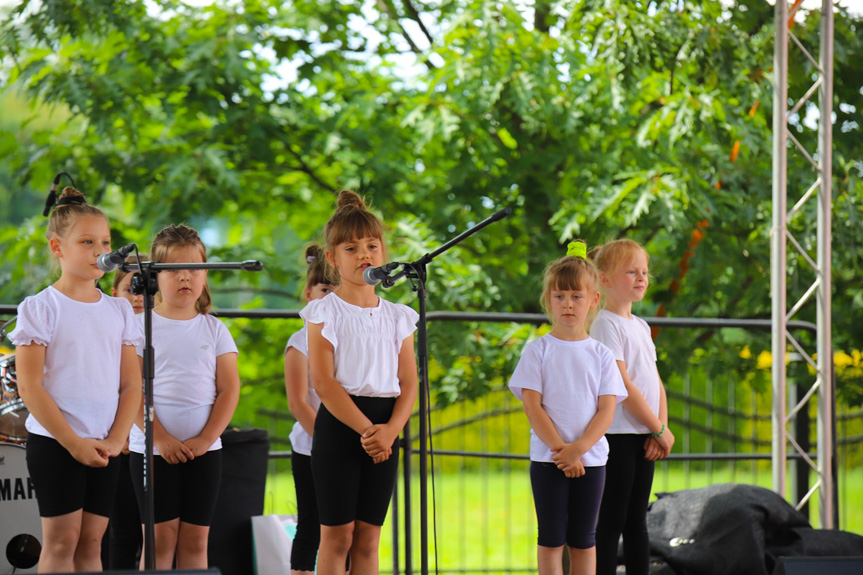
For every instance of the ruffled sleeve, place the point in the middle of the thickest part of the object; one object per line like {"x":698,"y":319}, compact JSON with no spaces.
{"x":406,"y":323}
{"x":321,"y":311}
{"x":35,"y":323}
{"x":133,"y":332}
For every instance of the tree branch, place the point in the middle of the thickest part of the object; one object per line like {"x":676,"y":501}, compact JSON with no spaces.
{"x":306,"y":169}
{"x":387,"y":7}
{"x":415,"y":15}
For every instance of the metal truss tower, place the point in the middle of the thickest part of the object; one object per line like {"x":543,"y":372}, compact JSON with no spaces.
{"x":821,"y":361}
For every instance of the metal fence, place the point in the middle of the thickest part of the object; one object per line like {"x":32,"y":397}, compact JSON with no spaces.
{"x":482,"y":505}
{"x":481,"y":502}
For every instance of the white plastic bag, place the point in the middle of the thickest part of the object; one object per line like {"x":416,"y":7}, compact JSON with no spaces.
{"x":273,"y":536}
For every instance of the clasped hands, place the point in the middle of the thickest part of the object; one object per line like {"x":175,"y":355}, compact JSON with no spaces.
{"x":95,"y":452}
{"x":567,"y":458}
{"x":174,"y":451}
{"x":377,"y":441}
{"x":656,"y":448}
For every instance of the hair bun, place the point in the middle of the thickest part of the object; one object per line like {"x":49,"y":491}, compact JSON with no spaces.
{"x":350,"y":199}
{"x":70,"y":192}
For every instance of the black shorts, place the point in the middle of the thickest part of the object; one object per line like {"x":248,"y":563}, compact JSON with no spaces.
{"x":185,"y":491}
{"x":566,"y":507}
{"x":64,"y":485}
{"x":349,"y":485}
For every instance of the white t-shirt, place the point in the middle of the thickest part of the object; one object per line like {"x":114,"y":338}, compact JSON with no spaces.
{"x":630,"y":342}
{"x":84,"y":344}
{"x":184,"y":376}
{"x":570,"y":375}
{"x":301,"y":442}
{"x":366,"y":342}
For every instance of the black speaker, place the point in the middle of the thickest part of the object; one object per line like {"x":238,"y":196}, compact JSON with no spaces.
{"x":244,"y":476}
{"x":819,"y":566}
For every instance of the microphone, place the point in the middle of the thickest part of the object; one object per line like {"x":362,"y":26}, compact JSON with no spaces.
{"x":374,"y":276}
{"x":108,"y":261}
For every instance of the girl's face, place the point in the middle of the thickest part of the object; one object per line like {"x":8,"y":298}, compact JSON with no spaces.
{"x":124,"y":290}
{"x":318,"y":291}
{"x":569,"y":308}
{"x":628,"y":283}
{"x":351,"y":258}
{"x":87,"y":238}
{"x":181,"y":289}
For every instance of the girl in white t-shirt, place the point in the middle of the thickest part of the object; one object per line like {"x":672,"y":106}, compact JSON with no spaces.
{"x":639,"y":434}
{"x":303,"y":403}
{"x":196,"y":386}
{"x":362,"y":364}
{"x":78,"y":376}
{"x":570,"y":386}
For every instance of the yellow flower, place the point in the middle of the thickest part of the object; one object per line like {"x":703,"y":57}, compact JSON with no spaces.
{"x":842,"y":359}
{"x":765,"y":360}
{"x":745,"y":353}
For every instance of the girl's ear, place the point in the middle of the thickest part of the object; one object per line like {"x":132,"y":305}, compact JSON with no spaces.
{"x":603,"y":279}
{"x":596,"y":296}
{"x":114,"y":292}
{"x":54,"y":246}
{"x":308,"y":294}
{"x":330,"y":258}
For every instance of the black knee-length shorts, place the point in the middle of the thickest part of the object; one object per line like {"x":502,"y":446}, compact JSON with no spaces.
{"x":349,"y":485}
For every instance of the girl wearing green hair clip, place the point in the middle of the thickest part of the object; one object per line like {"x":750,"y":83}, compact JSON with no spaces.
{"x":570,"y":385}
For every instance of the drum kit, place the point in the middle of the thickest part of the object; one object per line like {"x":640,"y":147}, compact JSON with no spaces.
{"x":20,"y":526}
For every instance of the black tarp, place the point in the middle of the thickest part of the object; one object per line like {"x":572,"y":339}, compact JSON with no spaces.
{"x":732,"y":529}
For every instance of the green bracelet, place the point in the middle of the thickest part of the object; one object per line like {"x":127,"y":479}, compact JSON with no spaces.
{"x":661,"y":431}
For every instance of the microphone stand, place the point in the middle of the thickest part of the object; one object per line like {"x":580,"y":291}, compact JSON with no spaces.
{"x":417,"y":272}
{"x":145,"y":283}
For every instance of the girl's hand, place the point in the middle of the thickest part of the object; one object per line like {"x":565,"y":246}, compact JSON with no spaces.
{"x":665,"y":441}
{"x":576,"y":470}
{"x":115,"y":447}
{"x":382,"y":457}
{"x":569,"y":458}
{"x":172,"y":450}
{"x":377,"y":441}
{"x":198,"y":446}
{"x":90,"y":452}
{"x":652,"y":449}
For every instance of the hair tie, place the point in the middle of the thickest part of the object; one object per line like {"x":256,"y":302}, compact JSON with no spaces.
{"x":311,"y":259}
{"x":577,"y":248}
{"x":53,"y":202}
{"x":70,"y":200}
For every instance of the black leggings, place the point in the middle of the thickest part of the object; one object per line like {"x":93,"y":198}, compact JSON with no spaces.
{"x":304,"y":550}
{"x":628,"y":481}
{"x":121,"y":546}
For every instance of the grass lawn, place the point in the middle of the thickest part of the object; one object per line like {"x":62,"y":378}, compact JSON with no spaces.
{"x":486,"y":522}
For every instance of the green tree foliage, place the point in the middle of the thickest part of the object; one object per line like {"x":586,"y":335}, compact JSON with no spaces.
{"x":590,"y":118}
